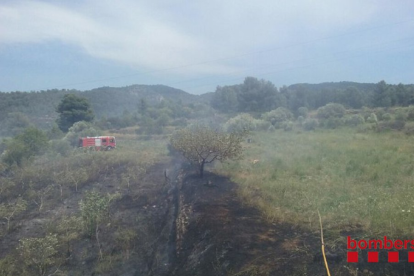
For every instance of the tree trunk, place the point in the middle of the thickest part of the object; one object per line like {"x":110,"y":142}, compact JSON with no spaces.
{"x":202,"y":168}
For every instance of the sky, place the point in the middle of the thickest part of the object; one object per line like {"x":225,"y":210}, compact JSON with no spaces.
{"x":199,"y":45}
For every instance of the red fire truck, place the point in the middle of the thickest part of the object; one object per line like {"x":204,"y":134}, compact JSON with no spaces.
{"x":98,"y":143}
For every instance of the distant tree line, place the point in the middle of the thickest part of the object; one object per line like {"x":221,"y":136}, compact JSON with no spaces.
{"x":260,"y":96}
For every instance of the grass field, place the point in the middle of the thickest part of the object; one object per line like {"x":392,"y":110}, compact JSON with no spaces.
{"x":361,"y":183}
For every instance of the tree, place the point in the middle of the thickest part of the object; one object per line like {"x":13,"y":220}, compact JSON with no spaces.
{"x":25,"y":145}
{"x":73,"y":109}
{"x":202,"y":145}
{"x":39,"y":254}
{"x":8,"y":211}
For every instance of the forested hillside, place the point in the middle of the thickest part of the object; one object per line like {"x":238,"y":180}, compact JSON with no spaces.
{"x":21,"y":109}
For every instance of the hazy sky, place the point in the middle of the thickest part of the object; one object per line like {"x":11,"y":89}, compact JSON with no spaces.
{"x":197,"y":45}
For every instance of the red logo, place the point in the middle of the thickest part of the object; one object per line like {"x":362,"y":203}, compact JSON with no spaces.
{"x":373,"y":245}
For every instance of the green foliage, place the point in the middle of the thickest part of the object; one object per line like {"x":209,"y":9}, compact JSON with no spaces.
{"x":29,"y":143}
{"x":126,"y":239}
{"x":410,"y":113}
{"x":14,"y":124}
{"x":288,"y":126}
{"x":303,"y":111}
{"x":331,"y":110}
{"x":243,"y":121}
{"x":60,"y":147}
{"x":386,"y":117}
{"x":202,"y":145}
{"x":401,"y":115}
{"x":354,"y":120}
{"x":278,"y":117}
{"x":372,"y":118}
{"x":310,"y":124}
{"x":9,"y":266}
{"x":80,"y":129}
{"x":69,"y":229}
{"x":55,"y":132}
{"x":8,"y":211}
{"x":94,"y":209}
{"x":73,"y":109}
{"x":225,"y":99}
{"x":39,"y":254}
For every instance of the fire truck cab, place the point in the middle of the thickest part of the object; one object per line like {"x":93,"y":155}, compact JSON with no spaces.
{"x":98,"y":143}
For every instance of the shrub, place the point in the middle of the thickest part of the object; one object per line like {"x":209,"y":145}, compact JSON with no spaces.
{"x":331,"y":110}
{"x":263,"y":125}
{"x":25,"y":145}
{"x":303,"y":111}
{"x":241,"y":122}
{"x":61,"y":147}
{"x":278,"y":116}
{"x":372,"y":118}
{"x":386,"y":117}
{"x":391,"y":125}
{"x":287,"y":126}
{"x":400,"y":115}
{"x":332,"y":122}
{"x":410,"y":113}
{"x":354,"y":120}
{"x":310,"y":124}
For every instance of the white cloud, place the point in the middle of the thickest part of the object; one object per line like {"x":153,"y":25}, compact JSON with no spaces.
{"x":156,"y":35}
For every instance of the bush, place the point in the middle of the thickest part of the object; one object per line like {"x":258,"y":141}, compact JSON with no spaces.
{"x":263,"y":125}
{"x":331,"y":110}
{"x":386,"y":117}
{"x":391,"y":125}
{"x":372,"y":118}
{"x":278,"y":116}
{"x":25,"y":145}
{"x":410,"y":113}
{"x":400,"y":115}
{"x":61,"y":147}
{"x":287,"y":126}
{"x":354,"y":120}
{"x":303,"y":111}
{"x":332,"y":122}
{"x":310,"y":124}
{"x":241,"y":122}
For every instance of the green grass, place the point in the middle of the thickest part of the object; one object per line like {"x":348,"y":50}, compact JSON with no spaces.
{"x":359,"y":182}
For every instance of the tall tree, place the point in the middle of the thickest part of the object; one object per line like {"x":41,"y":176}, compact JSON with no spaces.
{"x":73,"y":109}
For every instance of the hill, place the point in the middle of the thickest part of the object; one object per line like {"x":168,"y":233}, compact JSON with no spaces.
{"x":40,"y":106}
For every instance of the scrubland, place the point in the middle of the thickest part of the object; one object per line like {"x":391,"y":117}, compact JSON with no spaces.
{"x":361,"y":183}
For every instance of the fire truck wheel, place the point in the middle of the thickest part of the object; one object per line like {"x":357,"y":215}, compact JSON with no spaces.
{"x":109,"y":148}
